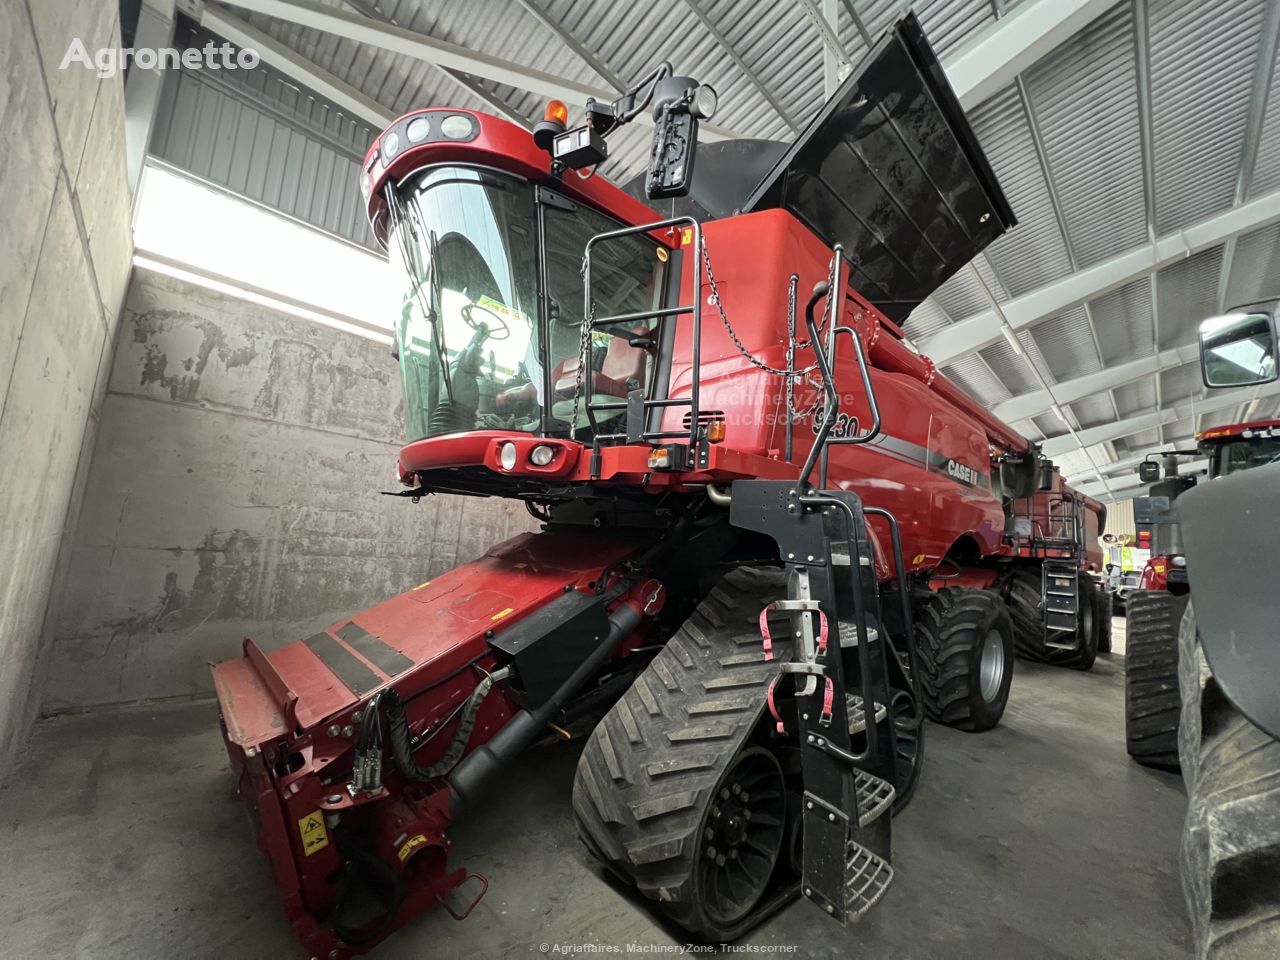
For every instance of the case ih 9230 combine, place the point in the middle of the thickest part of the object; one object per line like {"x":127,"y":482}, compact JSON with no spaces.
{"x":773,"y":539}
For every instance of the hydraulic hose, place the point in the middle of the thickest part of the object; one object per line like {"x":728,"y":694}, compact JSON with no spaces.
{"x":402,"y":747}
{"x":477,"y":768}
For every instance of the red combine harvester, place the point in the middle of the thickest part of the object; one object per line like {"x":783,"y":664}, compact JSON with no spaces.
{"x":773,"y":537}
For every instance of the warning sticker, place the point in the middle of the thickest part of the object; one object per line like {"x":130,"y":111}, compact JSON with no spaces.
{"x":314,"y":835}
{"x":410,"y":845}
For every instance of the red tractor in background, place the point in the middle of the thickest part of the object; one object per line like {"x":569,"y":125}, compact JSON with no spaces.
{"x":1152,"y":702}
{"x":773,"y":537}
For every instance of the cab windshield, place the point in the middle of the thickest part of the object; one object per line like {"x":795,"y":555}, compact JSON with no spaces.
{"x":1232,"y":456}
{"x":478,"y":347}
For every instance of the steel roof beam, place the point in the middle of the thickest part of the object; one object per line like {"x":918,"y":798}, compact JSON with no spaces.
{"x":1036,"y":402}
{"x":989,"y":62}
{"x":450,"y":56}
{"x":752,"y":77}
{"x":983,"y":328}
{"x":1259,"y":94}
{"x":1156,"y":418}
{"x":573,"y":43}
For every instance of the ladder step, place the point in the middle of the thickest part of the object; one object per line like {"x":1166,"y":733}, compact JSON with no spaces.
{"x":840,"y":558}
{"x":857,"y":715}
{"x":868,"y":877}
{"x":874,"y":796}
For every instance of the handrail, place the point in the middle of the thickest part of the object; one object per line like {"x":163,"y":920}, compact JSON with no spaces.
{"x":661,"y":314}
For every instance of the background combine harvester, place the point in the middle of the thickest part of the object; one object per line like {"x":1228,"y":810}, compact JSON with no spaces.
{"x":773,"y":537}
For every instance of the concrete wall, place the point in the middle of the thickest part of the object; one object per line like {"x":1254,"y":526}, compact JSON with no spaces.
{"x":65,"y":253}
{"x":235,"y":490}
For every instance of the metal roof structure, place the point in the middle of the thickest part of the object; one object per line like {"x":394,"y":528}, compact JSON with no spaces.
{"x":1138,"y":142}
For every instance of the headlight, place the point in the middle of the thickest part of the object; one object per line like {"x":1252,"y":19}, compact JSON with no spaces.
{"x":507,"y":456}
{"x":1178,"y":561}
{"x":456,"y":127}
{"x":418,"y":130}
{"x":541,"y":455}
{"x":390,"y":145}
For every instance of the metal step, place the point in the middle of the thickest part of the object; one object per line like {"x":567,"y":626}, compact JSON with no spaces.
{"x":874,"y":796}
{"x":840,"y":557}
{"x":868,"y":877}
{"x":858,"y":716}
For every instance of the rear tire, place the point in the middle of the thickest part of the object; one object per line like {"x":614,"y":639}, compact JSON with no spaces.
{"x":1151,"y":702}
{"x":1230,"y":854}
{"x":965,"y":646}
{"x":652,"y":777}
{"x":1106,"y":611}
{"x":1026,"y":608}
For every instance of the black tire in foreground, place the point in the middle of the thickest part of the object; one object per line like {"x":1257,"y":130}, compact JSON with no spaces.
{"x":1028,"y":622}
{"x":965,"y":646}
{"x":670,"y":792}
{"x":1151,"y":702}
{"x":1231,"y":839}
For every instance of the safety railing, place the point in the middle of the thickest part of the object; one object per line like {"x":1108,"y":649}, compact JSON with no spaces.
{"x":639,"y":406}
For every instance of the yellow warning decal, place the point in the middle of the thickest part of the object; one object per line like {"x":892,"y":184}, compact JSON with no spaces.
{"x":686,"y":236}
{"x":314,"y":835}
{"x":917,"y":560}
{"x":502,"y":613}
{"x":410,"y":845}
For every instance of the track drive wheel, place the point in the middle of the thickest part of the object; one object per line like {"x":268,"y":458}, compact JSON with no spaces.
{"x":1105,"y":612}
{"x":965,"y":646}
{"x":1231,"y":838}
{"x":1151,"y":701}
{"x":671,"y":793}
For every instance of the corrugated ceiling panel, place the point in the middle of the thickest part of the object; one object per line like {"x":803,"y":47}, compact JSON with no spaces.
{"x":1092,"y":411}
{"x":1033,"y":252}
{"x":925,"y":319}
{"x":962,"y":295}
{"x":1122,"y":319}
{"x":1066,"y":343}
{"x":1187,"y":293}
{"x":1179,"y":383}
{"x":1202,"y":61}
{"x":949,"y":23}
{"x":971,"y":375}
{"x":1009,"y":367}
{"x":1136,"y":397}
{"x":1139,"y":442}
{"x":1255,"y":268}
{"x":1266,"y":173}
{"x":1085,"y":98}
{"x":1049,"y":425}
{"x":258,"y":134}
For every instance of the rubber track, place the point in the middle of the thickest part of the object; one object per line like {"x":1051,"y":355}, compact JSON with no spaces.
{"x":1151,"y":701}
{"x":948,"y":643}
{"x":647,"y":772}
{"x":1230,"y":856}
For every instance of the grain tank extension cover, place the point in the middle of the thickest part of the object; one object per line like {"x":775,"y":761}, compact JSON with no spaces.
{"x":890,"y":168}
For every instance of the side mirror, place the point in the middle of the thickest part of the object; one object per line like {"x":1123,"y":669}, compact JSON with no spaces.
{"x":1148,"y":471}
{"x":1238,"y":349}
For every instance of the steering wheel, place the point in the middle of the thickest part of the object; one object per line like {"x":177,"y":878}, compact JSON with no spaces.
{"x":475,"y":324}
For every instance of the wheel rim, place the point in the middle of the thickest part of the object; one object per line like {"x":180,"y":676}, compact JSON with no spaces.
{"x":741,"y":837}
{"x":991,"y":665}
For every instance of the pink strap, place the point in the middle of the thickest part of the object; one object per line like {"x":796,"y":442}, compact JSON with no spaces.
{"x":764,"y":631}
{"x":828,"y":698}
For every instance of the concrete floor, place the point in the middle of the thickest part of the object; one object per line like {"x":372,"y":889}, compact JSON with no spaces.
{"x":122,"y":838}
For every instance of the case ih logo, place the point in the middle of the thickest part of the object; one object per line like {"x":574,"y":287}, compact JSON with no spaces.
{"x":964,"y":473}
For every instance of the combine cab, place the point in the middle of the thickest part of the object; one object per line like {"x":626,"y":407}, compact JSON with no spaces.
{"x":774,"y":538}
